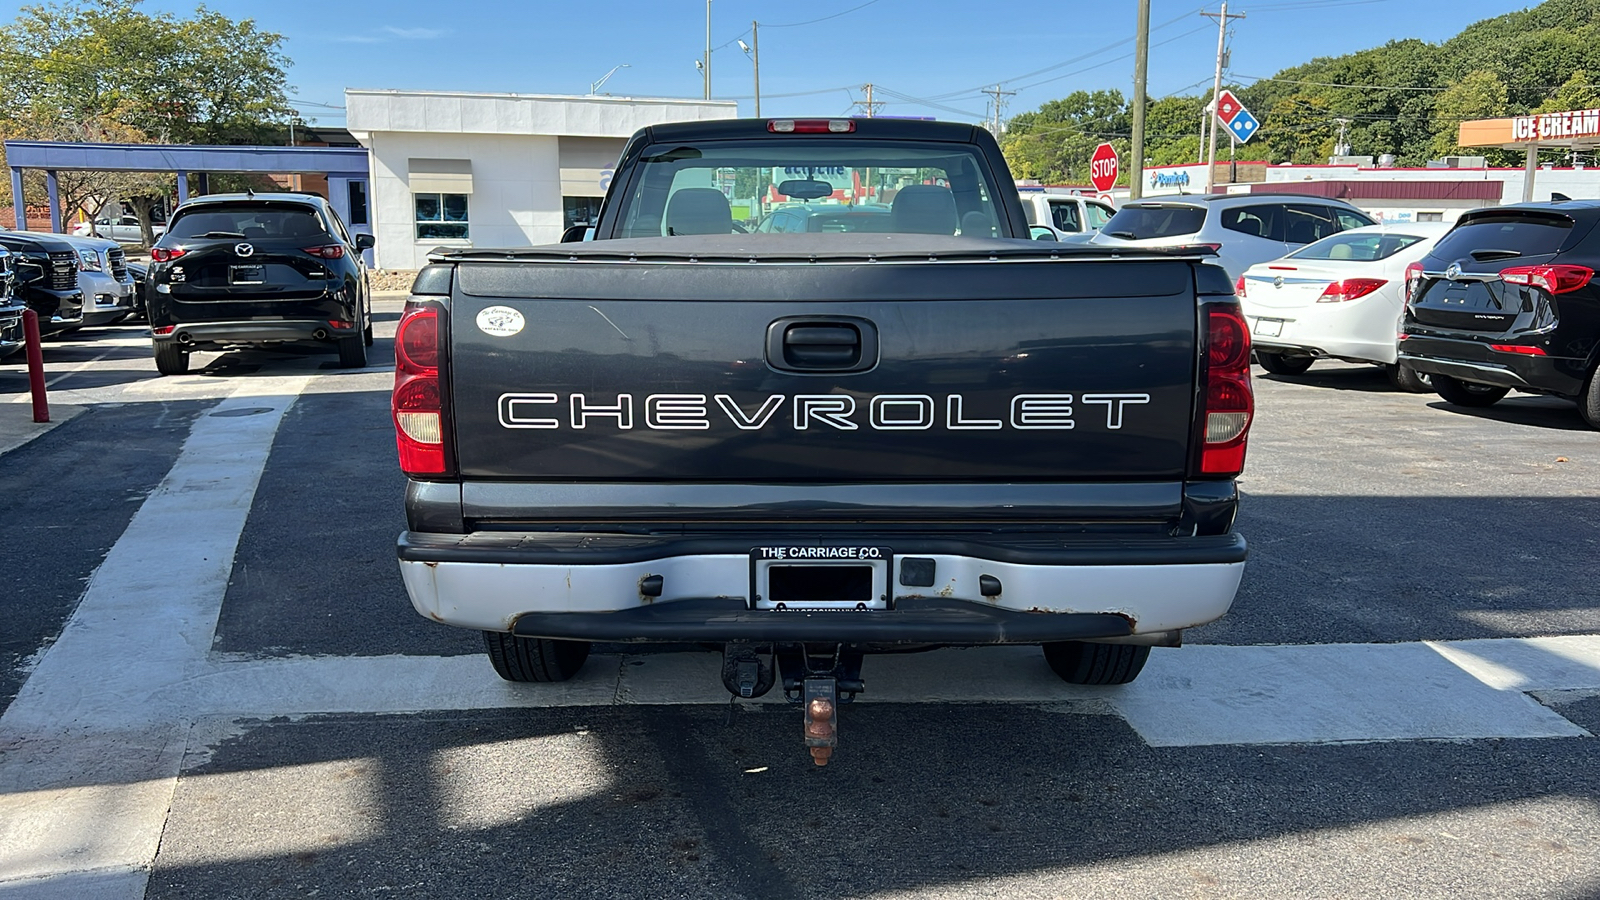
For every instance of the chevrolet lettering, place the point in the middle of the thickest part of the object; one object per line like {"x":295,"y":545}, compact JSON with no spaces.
{"x":679,"y":428}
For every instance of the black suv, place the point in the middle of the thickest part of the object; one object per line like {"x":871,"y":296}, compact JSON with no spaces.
{"x":1508,"y":301}
{"x":247,"y":270}
{"x":45,"y":270}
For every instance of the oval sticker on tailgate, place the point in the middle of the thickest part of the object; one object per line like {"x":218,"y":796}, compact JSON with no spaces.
{"x":500,"y":321}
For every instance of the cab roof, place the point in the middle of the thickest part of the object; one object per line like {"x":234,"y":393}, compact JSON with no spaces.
{"x":891,"y":129}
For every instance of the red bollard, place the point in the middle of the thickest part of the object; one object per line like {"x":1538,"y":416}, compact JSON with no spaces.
{"x":30,"y":336}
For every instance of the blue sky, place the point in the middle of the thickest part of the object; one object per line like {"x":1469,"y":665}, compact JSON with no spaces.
{"x":934,"y":50}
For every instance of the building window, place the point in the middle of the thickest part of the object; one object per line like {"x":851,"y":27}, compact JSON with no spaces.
{"x":1430,"y":217}
{"x":581,"y":210}
{"x":441,"y":216}
{"x":358,"y":202}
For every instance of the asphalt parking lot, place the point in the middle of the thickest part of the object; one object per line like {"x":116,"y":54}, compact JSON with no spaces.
{"x":213,"y":685}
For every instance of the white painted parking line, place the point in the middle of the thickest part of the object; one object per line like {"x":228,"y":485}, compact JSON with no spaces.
{"x":83,"y":789}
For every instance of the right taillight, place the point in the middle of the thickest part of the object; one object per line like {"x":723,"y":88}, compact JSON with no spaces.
{"x":418,"y":402}
{"x":1555,"y":279}
{"x":1229,"y":402}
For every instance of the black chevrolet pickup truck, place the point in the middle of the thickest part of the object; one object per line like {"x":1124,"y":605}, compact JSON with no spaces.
{"x":806,"y":448}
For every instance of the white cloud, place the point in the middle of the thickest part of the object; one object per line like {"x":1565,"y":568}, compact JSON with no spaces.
{"x":390,"y":33}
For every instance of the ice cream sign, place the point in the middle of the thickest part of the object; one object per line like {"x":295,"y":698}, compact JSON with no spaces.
{"x":1582,"y":123}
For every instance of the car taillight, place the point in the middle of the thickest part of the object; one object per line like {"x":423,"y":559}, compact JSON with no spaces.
{"x":1523,"y":349}
{"x":1413,"y":278}
{"x":1238,"y":287}
{"x":811,"y":126}
{"x":163,"y":254}
{"x":418,"y":402}
{"x":1350,"y":289}
{"x":1560,"y":279}
{"x":329,"y":251}
{"x":1229,"y":402}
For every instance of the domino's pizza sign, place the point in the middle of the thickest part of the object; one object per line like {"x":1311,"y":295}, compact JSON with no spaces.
{"x":1244,"y":126}
{"x":1238,"y":119}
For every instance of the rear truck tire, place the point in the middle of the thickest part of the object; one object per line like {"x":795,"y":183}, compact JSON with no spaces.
{"x":1589,"y":401}
{"x":171,"y":359}
{"x":1467,"y":393}
{"x":352,"y":352}
{"x":1282,"y":364}
{"x":534,"y":659}
{"x":1405,"y":378}
{"x":1083,"y":662}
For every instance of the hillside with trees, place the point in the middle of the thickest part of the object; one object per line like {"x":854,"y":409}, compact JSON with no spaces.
{"x":1405,"y":97}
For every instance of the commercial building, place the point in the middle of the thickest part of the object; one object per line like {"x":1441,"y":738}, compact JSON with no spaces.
{"x":454,"y":169}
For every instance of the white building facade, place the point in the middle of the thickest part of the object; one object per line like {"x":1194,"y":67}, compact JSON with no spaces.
{"x":456,"y":169}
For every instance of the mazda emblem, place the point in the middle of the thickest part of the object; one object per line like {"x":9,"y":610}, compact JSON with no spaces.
{"x":1453,"y":272}
{"x":243,"y":249}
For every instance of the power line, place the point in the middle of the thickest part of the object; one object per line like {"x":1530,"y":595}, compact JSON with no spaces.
{"x":826,"y":18}
{"x":1375,"y":87}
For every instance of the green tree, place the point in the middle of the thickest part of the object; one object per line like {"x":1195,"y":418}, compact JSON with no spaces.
{"x":1054,"y":142}
{"x":1480,"y":95}
{"x":206,"y":78}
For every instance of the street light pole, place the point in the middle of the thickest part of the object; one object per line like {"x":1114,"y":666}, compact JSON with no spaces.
{"x":706,"y":71}
{"x":755,"y":58}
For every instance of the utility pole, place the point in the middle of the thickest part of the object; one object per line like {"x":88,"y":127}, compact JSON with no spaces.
{"x":755,"y":41}
{"x":869,"y":104}
{"x":706,"y":70}
{"x":1216,"y":85}
{"x":1340,"y":148}
{"x":998,"y":106}
{"x":1141,"y":67}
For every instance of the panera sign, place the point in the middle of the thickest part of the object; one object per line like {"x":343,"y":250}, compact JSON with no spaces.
{"x":1582,"y":123}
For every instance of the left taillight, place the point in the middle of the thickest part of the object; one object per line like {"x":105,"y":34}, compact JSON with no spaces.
{"x":1238,"y":288}
{"x":1229,"y":401}
{"x":163,"y":254}
{"x":418,"y":403}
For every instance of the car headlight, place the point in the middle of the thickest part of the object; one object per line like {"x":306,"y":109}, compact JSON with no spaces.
{"x":89,"y":260}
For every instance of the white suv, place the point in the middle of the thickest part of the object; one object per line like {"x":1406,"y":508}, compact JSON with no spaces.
{"x":1244,"y":229}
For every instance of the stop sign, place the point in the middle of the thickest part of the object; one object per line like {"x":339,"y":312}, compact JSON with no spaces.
{"x":1103,"y":167}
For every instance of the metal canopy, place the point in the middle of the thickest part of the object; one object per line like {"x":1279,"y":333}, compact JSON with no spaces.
{"x":341,"y":164}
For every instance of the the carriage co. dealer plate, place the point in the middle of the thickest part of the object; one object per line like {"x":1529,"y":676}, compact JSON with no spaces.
{"x":842,"y":577}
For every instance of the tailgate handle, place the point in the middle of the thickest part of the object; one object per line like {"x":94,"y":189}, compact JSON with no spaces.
{"x":816,"y":344}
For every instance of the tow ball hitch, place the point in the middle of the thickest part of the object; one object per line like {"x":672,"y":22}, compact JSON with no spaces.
{"x":819,"y":678}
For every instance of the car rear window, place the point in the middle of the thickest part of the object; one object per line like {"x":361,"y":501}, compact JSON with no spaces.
{"x":1367,"y":247}
{"x":1522,"y":233}
{"x":251,"y":221}
{"x":1155,"y":221}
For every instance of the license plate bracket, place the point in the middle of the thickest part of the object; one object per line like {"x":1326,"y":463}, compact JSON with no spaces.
{"x":247,"y":274}
{"x":840,"y":578}
{"x":1269,"y":327}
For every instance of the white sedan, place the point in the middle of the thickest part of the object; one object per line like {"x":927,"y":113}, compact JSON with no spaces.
{"x":1338,"y":298}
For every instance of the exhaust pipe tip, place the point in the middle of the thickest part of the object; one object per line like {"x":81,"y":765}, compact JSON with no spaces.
{"x":185,"y":338}
{"x":320,"y":334}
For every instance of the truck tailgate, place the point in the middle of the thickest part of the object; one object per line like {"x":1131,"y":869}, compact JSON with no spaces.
{"x":935,"y":371}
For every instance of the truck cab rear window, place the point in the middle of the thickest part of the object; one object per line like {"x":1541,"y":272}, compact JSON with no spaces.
{"x":250,"y":221}
{"x":834,"y":186}
{"x":1141,"y":222}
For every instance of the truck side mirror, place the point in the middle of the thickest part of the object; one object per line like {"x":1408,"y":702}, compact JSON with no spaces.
{"x":575,"y":234}
{"x":1041,"y":233}
{"x":364,"y":242}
